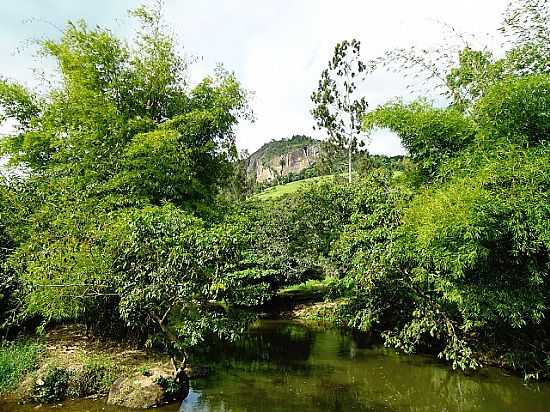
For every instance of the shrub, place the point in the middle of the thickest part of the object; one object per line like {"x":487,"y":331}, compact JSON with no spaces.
{"x":431,"y":135}
{"x":172,"y":389}
{"x":53,"y":387}
{"x":517,"y":110}
{"x":16,"y":359}
{"x":96,"y":377}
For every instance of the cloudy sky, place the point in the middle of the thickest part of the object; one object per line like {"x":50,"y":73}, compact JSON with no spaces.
{"x":277,"y":48}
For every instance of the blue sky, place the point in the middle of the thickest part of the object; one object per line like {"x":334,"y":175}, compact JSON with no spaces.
{"x":277,"y":48}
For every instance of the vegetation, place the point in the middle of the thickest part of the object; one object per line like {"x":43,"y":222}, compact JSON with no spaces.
{"x":55,"y":386}
{"x":338,"y":108}
{"x":283,"y":146}
{"x":273,"y":156}
{"x":17,"y":359}
{"x":452,"y":255}
{"x":288,"y":188}
{"x":120,"y":149}
{"x":131,"y":215}
{"x":468,"y":263}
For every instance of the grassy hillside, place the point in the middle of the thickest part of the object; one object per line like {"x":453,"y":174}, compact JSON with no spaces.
{"x":276,"y":192}
{"x":279,"y":191}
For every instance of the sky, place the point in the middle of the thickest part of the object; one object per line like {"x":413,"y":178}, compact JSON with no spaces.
{"x":277,"y":48}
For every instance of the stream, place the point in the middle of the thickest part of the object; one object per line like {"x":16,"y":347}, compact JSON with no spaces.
{"x":289,"y":366}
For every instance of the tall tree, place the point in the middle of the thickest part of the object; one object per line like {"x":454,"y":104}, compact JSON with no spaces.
{"x":338,"y":108}
{"x":123,"y":151}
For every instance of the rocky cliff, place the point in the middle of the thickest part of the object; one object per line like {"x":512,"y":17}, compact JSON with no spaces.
{"x":283,"y":157}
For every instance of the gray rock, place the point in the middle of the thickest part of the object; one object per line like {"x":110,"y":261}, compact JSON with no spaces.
{"x":265,"y":165}
{"x":138,"y":391}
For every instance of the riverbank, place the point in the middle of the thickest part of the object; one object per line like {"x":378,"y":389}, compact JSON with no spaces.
{"x":70,"y":365}
{"x":67,"y":364}
{"x":293,"y":366}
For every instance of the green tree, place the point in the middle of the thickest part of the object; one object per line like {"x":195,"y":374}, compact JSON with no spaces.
{"x":117,"y":152}
{"x":461,"y":71}
{"x":188,"y":280}
{"x":338,"y":109}
{"x":13,"y":210}
{"x":468,"y":261}
{"x":430,"y":135}
{"x":463,"y":265}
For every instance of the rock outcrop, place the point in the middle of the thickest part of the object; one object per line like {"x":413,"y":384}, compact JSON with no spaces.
{"x":147,"y":390}
{"x":139,"y":391}
{"x":283,"y":157}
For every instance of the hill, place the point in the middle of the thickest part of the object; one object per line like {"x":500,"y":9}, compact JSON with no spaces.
{"x":280,"y":158}
{"x":278,"y":191}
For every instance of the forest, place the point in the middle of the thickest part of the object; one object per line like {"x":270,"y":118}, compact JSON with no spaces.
{"x":126,"y":207}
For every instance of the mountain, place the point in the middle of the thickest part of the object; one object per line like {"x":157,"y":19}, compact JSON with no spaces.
{"x":280,"y":158}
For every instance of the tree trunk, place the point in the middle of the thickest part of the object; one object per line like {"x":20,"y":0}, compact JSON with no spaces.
{"x":349,"y":159}
{"x":180,"y":376}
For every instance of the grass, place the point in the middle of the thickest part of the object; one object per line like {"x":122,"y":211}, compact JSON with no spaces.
{"x":279,"y":191}
{"x":72,"y":366}
{"x":16,"y":359}
{"x":309,"y":290}
{"x":309,"y":286}
{"x":98,"y":374}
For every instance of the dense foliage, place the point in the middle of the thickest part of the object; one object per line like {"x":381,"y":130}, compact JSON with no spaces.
{"x":128,"y":209}
{"x":123,"y":162}
{"x":466,"y":270}
{"x":12,"y":212}
{"x":453,"y":255}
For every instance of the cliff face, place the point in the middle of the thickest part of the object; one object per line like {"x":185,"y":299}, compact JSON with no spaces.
{"x":283,"y":157}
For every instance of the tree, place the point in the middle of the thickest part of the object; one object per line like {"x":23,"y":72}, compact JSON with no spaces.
{"x":177,"y":275}
{"x":462,"y":266}
{"x":527,"y":22}
{"x":338,"y":109}
{"x":17,"y":103}
{"x":469,"y":260}
{"x":124,"y":152}
{"x":7,"y":245}
{"x":431,"y":135}
{"x":13,"y":210}
{"x":462,"y":69}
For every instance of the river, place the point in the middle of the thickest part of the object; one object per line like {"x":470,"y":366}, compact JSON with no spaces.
{"x":293,"y":367}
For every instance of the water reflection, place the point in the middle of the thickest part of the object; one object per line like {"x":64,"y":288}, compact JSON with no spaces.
{"x":292,"y":367}
{"x":191,"y":403}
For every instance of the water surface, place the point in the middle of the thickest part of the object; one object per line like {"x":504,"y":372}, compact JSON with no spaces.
{"x":292,"y":367}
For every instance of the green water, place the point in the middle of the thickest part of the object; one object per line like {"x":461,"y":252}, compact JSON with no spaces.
{"x":286,"y":366}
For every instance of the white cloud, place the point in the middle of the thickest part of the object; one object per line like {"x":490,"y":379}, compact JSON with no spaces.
{"x":277,"y":48}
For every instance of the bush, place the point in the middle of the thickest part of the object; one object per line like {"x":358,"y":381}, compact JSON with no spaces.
{"x":431,"y":135}
{"x":53,"y":387}
{"x":96,"y":377}
{"x":461,"y":266}
{"x":517,"y":110}
{"x":172,"y":389}
{"x":16,"y":359}
{"x":11,"y":230}
{"x":464,"y":264}
{"x":478,"y":246}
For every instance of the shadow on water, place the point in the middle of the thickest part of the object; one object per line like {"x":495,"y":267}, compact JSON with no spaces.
{"x":286,"y":366}
{"x":292,"y":367}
